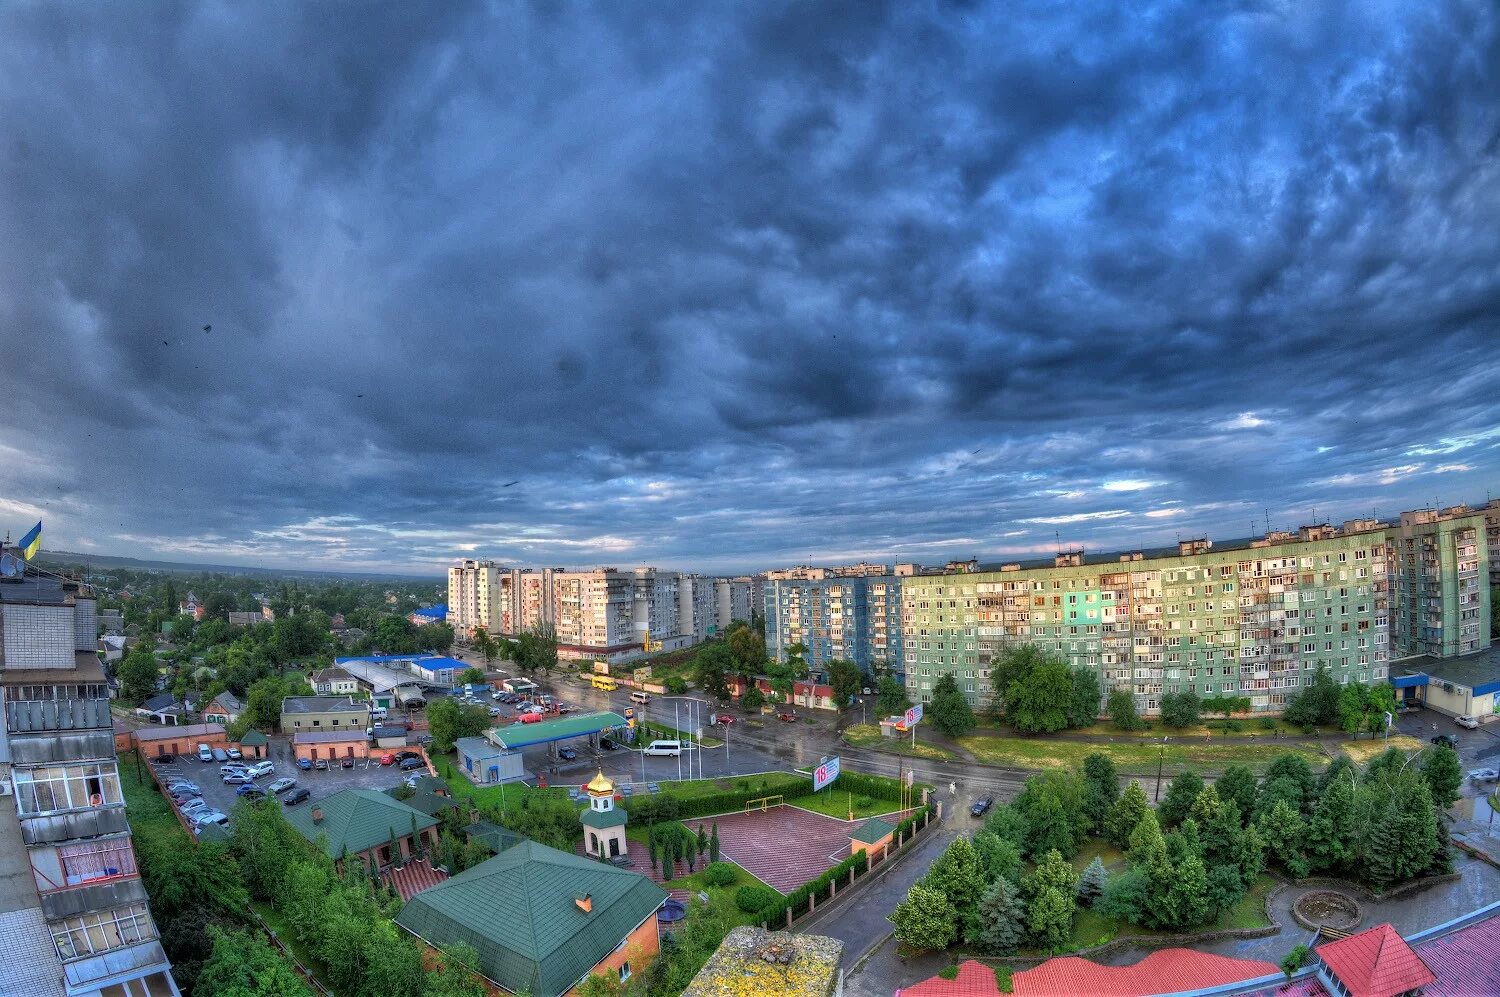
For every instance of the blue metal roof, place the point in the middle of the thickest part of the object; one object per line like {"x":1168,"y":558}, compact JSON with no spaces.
{"x":438,"y":612}
{"x":1409,"y":681}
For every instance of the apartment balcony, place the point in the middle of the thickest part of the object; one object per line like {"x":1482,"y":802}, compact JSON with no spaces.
{"x":103,"y":895}
{"x":55,"y":828}
{"x":62,"y":746}
{"x":36,"y":716}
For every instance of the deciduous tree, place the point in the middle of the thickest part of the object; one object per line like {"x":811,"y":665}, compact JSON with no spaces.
{"x":924,"y":920}
{"x":950,"y":710}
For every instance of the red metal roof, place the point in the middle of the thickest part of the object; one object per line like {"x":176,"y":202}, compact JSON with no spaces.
{"x":974,"y":979}
{"x":1163,"y":972}
{"x":1376,"y":963}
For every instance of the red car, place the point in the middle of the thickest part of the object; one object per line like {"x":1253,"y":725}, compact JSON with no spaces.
{"x":725,"y":719}
{"x":387,"y":759}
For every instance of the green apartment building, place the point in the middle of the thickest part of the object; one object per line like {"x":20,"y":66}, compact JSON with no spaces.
{"x":1252,"y":618}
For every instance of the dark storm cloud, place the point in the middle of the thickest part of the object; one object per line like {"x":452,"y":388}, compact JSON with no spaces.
{"x":740,"y":283}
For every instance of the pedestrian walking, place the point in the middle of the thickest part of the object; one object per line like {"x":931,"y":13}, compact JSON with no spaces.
{"x":953,"y":788}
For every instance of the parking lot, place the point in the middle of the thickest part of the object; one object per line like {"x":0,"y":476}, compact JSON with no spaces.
{"x":366,"y":774}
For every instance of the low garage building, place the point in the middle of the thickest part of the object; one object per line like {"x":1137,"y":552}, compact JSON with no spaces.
{"x":330,"y":744}
{"x":1460,"y":686}
{"x":486,"y":763}
{"x":156,"y":741}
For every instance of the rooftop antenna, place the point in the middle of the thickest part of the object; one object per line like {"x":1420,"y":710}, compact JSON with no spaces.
{"x":1268,"y":520}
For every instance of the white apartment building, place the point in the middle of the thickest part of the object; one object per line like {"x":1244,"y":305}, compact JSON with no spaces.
{"x":731,"y":601}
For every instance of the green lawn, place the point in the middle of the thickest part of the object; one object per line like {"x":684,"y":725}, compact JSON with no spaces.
{"x":506,"y":797}
{"x":1101,"y":849}
{"x":836,"y":802}
{"x":869,"y":736}
{"x":696,"y":884}
{"x":1215,"y":727}
{"x":1089,"y":928}
{"x":146,"y":807}
{"x":289,"y":939}
{"x":1130,"y":759}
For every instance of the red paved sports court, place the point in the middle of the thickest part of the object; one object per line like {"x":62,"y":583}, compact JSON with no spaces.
{"x":783,"y":846}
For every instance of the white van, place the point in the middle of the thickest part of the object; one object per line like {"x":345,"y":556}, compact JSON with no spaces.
{"x":377,"y":712}
{"x":672,"y":748}
{"x":639,"y":697}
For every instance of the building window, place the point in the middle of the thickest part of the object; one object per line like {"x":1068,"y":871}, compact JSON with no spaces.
{"x":624,"y":971}
{"x":84,"y":863}
{"x":66,"y":787}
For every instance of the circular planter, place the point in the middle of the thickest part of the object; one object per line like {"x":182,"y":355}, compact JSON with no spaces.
{"x":1327,"y":909}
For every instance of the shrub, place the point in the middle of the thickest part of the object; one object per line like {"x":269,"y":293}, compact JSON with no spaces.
{"x":860,"y":802}
{"x":718,"y":874}
{"x":755,"y":898}
{"x":1266,"y":723}
{"x":675,"y":684}
{"x":948,"y":973}
{"x":1234,"y":726}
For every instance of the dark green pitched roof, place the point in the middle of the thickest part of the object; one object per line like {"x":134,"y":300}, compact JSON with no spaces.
{"x":609,"y":818}
{"x":520,"y":735}
{"x":497,"y":837}
{"x":355,"y":820}
{"x":429,"y":803}
{"x":518,"y":911}
{"x":253,"y":737}
{"x":872,"y":831}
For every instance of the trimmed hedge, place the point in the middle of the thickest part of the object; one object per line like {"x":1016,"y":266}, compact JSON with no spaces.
{"x":718,"y":874}
{"x":878,"y":787}
{"x":755,"y":897}
{"x":728,"y":801}
{"x":800,"y":899}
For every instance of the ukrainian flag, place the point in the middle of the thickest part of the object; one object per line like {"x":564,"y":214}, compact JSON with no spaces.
{"x":32,"y":542}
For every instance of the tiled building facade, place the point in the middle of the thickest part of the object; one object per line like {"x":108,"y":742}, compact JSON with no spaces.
{"x":1254,"y":618}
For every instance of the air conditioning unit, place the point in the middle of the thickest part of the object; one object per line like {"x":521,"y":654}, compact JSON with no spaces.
{"x":4,"y":788}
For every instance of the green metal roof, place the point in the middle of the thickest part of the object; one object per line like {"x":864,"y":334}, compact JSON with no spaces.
{"x":872,"y":831}
{"x":520,"y":735}
{"x":497,"y":837}
{"x":518,"y":911}
{"x":355,"y":820}
{"x":609,"y":818}
{"x":253,"y":737}
{"x":429,"y":803}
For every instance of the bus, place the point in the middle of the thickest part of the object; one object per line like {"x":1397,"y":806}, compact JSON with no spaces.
{"x":605,"y":682}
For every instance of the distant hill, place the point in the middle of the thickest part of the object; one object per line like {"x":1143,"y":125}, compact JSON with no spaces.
{"x":67,"y":557}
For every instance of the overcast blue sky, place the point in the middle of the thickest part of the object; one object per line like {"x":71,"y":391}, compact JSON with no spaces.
{"x":734,"y":285}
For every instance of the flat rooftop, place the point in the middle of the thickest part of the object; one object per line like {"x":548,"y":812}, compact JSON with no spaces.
{"x":1471,"y":671}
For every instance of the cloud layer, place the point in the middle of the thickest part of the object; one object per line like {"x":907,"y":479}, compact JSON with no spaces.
{"x":740,"y":284}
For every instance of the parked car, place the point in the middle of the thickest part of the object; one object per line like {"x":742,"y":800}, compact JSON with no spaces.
{"x":1484,"y":775}
{"x":305,"y":764}
{"x":411,"y":763}
{"x":235,"y":753}
{"x":252,"y":791}
{"x":566,"y":707}
{"x":190,"y":807}
{"x":179,"y":781}
{"x":981,"y":806}
{"x":423,"y":739}
{"x":387,"y":759}
{"x":1446,"y":740}
{"x":321,"y":765}
{"x":787,"y":718}
{"x":205,"y":754}
{"x":295,"y":797}
{"x":725,"y":719}
{"x":184,"y":795}
{"x":1466,"y":721}
{"x":234,"y":769}
{"x":261,"y":768}
{"x":237,"y":779}
{"x":282,"y":785}
{"x":346,"y":763}
{"x":207,"y":816}
{"x":220,"y":755}
{"x":668,"y":748}
{"x":567,"y":754}
{"x":164,"y":760}
{"x":605,"y":744}
{"x":403,"y":755}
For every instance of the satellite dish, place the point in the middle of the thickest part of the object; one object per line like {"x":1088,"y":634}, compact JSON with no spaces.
{"x":10,"y":566}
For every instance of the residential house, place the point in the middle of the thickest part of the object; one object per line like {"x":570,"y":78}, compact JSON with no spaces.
{"x":541,"y":920}
{"x":431,"y":614}
{"x":363,"y":825}
{"x":237,"y":619}
{"x":163,"y":709}
{"x":299,"y":713}
{"x":225,"y":708}
{"x":334,"y":682}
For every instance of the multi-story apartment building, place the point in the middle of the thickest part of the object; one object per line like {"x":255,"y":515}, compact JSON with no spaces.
{"x":731,"y":601}
{"x":1492,"y":539}
{"x":475,"y":600}
{"x":887,"y":649}
{"x":1253,"y":618}
{"x":593,"y":612}
{"x":697,"y":606}
{"x":828,"y":616}
{"x":1442,"y":602}
{"x":656,"y":610}
{"x":73,"y":911}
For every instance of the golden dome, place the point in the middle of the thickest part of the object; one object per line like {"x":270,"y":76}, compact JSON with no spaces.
{"x":600,"y":786}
